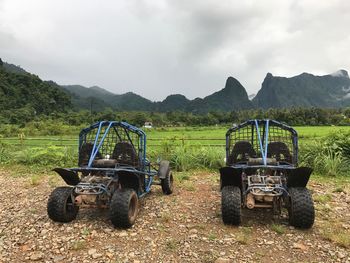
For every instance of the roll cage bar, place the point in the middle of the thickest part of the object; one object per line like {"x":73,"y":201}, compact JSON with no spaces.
{"x":101,"y":135}
{"x":259,"y":134}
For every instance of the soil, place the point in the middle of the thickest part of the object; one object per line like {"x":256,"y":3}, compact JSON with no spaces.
{"x":183,"y":227}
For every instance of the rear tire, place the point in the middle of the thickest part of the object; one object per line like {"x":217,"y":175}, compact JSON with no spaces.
{"x":124,"y":208}
{"x":231,"y":205}
{"x":60,"y":206}
{"x":167,"y":183}
{"x":301,"y":208}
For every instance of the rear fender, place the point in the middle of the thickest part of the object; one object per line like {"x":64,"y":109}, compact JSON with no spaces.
{"x":230,"y":176}
{"x":164,"y":167}
{"x":299,"y":177}
{"x":131,"y":180}
{"x":69,"y":176}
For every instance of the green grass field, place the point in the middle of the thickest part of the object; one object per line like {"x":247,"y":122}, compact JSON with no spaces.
{"x":185,"y":147}
{"x":205,"y":136}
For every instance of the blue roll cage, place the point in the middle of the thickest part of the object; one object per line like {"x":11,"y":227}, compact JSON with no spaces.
{"x":145,"y":167}
{"x":263,"y":141}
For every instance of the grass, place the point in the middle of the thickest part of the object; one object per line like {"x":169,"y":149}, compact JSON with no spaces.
{"x":212,"y":237}
{"x":335,"y":233}
{"x":322,"y":199}
{"x":78,"y":245}
{"x":171,"y":244}
{"x":85,"y":231}
{"x":187,"y":148}
{"x":279,"y":229}
{"x":244,"y":236}
{"x":339,"y":189}
{"x":35,"y":179}
{"x":165,"y":217}
{"x":198,"y":136}
{"x":188,"y":186}
{"x":181,"y":177}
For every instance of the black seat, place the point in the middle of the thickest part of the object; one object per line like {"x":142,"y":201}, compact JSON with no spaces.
{"x":241,"y":152}
{"x":85,"y":153}
{"x":279,"y":151}
{"x":125,"y":154}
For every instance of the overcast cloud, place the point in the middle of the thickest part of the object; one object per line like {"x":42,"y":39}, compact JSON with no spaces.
{"x":156,"y":48}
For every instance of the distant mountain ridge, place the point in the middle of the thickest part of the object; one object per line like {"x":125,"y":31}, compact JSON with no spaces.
{"x":304,"y":90}
{"x":232,"y":96}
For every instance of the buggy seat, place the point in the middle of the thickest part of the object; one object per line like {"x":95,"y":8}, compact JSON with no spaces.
{"x":124,"y":153}
{"x":241,"y":152}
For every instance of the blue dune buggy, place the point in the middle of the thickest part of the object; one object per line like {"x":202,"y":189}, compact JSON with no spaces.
{"x":262,"y":172}
{"x":113,"y":173}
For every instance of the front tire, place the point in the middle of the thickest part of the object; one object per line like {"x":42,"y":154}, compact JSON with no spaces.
{"x":168,"y":183}
{"x":231,"y":205}
{"x":124,"y":208}
{"x":60,"y":206}
{"x":301,"y":208}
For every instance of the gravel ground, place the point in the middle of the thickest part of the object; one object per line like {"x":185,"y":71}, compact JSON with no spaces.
{"x":183,"y":227}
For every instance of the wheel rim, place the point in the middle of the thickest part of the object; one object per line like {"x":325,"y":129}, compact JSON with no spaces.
{"x":132,"y":208}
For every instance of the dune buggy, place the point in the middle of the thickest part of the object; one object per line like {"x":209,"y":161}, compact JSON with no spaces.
{"x":113,"y":172}
{"x":262,"y":172}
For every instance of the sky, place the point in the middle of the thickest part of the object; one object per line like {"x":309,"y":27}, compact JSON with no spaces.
{"x":160,"y":47}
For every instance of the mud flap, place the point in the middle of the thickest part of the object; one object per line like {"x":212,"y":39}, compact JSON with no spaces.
{"x":69,"y":176}
{"x":163,"y":169}
{"x":298,"y":177}
{"x":230,"y":176}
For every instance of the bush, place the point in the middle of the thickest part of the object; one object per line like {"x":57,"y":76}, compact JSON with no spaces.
{"x":329,"y":156}
{"x":52,"y":156}
{"x":184,"y":158}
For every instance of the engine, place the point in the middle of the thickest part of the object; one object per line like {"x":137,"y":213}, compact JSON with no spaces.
{"x":93,"y":190}
{"x":262,"y":190}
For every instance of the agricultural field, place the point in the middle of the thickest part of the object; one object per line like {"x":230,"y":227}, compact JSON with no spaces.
{"x":186,"y":147}
{"x":211,"y":136}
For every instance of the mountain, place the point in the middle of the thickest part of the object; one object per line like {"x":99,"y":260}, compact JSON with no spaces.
{"x":232,"y":97}
{"x":304,"y":90}
{"x":175,"y":102}
{"x":99,"y":99}
{"x":23,"y":95}
{"x":86,"y":98}
{"x":12,"y":68}
{"x":20,"y":89}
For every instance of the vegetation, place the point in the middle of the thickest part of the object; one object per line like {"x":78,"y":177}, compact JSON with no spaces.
{"x":326,"y":151}
{"x":329,"y":155}
{"x":23,"y":97}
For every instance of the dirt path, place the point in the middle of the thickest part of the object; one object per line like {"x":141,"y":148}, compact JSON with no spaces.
{"x":183,"y":227}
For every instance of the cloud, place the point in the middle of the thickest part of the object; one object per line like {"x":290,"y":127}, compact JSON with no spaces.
{"x":161,"y":47}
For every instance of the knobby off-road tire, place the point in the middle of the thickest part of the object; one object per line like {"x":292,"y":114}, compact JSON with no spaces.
{"x":301,"y":211}
{"x":60,"y":206}
{"x":124,"y":208}
{"x":231,"y":205}
{"x":167,"y":183}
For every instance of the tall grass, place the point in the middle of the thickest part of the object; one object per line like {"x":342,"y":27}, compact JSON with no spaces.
{"x":329,"y":156}
{"x":51,"y":156}
{"x":186,"y":158}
